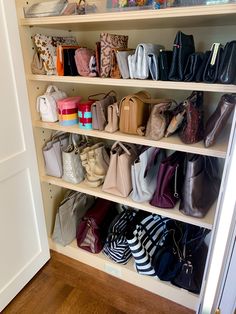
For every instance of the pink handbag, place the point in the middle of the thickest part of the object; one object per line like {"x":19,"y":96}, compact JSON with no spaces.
{"x":68,"y":110}
{"x":84,"y":59}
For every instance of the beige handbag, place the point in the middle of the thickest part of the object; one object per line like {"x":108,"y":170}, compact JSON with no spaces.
{"x":113,"y":118}
{"x":37,"y":66}
{"x":118,"y":179}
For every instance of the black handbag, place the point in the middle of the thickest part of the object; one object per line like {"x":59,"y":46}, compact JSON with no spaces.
{"x":193,"y":259}
{"x":193,"y":64}
{"x":200,"y":71}
{"x":70,"y":68}
{"x":164,"y":61}
{"x":183,"y":47}
{"x":211,"y":71}
{"x":227,"y":69}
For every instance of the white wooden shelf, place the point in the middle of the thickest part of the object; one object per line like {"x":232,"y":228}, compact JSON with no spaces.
{"x":173,"y":142}
{"x":220,"y":88}
{"x":224,"y":14}
{"x":174,"y":213}
{"x":129,"y":274}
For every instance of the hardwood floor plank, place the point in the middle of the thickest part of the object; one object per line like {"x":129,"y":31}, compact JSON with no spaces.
{"x":66,"y":286}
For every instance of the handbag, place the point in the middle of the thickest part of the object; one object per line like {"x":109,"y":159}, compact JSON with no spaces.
{"x":99,"y":111}
{"x":158,"y":120}
{"x":93,"y":227}
{"x":115,"y":71}
{"x":192,"y":66}
{"x":52,"y":153}
{"x":47,"y":103}
{"x":143,"y":236}
{"x":169,"y":181}
{"x":47,"y":49}
{"x":84,"y":57}
{"x":118,"y":178}
{"x":122,"y":60}
{"x":164,"y":61}
{"x":108,"y":42}
{"x":193,"y":259}
{"x":218,"y":120}
{"x":37,"y":65}
{"x":192,"y":129}
{"x":70,"y":211}
{"x":65,"y":60}
{"x":227,"y":67}
{"x":112,"y":118}
{"x":201,"y":185}
{"x":182,"y":49}
{"x":211,"y":71}
{"x":143,"y":174}
{"x":73,"y":170}
{"x":200,"y":71}
{"x":116,"y":246}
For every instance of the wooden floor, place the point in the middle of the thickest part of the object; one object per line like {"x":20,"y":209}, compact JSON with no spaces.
{"x":64,"y":286}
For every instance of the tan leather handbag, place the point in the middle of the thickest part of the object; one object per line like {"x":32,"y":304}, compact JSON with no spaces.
{"x":134,"y":112}
{"x":118,"y":179}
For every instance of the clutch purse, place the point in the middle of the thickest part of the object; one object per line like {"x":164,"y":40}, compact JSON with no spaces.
{"x":211,"y":71}
{"x":227,"y":69}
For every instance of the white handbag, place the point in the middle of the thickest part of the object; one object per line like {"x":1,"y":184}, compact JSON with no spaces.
{"x":47,"y":103}
{"x":52,"y":153}
{"x":73,"y":171}
{"x":70,"y":211}
{"x":144,"y":172}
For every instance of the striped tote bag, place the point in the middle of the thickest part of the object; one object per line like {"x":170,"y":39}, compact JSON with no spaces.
{"x":116,"y":246}
{"x":143,"y":241}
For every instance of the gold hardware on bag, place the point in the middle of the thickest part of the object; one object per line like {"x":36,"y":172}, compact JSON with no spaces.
{"x":217,"y":311}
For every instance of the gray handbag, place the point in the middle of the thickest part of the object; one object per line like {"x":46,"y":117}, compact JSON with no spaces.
{"x":122,"y":60}
{"x":52,"y":153}
{"x":70,"y":211}
{"x":143,"y":174}
{"x":73,"y":170}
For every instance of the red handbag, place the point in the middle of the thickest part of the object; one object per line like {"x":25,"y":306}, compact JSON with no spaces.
{"x":92,"y":230}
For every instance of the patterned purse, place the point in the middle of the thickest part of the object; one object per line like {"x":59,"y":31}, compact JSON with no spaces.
{"x":108,"y":42}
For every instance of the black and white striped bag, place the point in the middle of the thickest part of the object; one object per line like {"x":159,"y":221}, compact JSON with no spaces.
{"x":116,"y":246}
{"x":143,"y":242}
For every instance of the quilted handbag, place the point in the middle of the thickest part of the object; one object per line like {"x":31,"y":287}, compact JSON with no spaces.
{"x":69,"y":213}
{"x":47,"y":103}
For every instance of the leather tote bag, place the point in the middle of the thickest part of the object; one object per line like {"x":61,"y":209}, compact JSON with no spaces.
{"x":70,"y":211}
{"x":218,"y":120}
{"x":227,"y":68}
{"x":211,"y":71}
{"x":116,"y":246}
{"x":182,"y":49}
{"x":201,"y":185}
{"x":99,"y":111}
{"x":47,"y":103}
{"x":118,"y":179}
{"x":169,"y":181}
{"x":143,"y":174}
{"x":192,"y":130}
{"x":52,"y":153}
{"x":73,"y":170}
{"x":93,"y":227}
{"x":193,"y":258}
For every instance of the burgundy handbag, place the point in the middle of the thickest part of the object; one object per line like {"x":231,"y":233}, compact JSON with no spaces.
{"x":192,"y":128}
{"x":93,"y":228}
{"x":169,"y":181}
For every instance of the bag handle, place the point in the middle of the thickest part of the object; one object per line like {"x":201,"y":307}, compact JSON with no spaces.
{"x":51,"y":88}
{"x":117,"y":143}
{"x":91,"y":97}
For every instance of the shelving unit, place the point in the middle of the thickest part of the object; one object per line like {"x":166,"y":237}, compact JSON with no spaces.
{"x":141,"y":25}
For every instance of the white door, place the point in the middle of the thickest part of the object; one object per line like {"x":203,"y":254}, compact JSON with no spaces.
{"x":23,"y":240}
